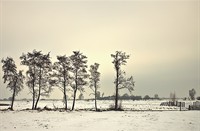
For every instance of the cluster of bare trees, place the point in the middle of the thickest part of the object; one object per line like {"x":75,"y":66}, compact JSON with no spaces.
{"x":38,"y":74}
{"x":69,"y":73}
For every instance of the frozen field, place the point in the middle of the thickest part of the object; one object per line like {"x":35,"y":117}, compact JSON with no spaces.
{"x":99,"y":121}
{"x":102,"y":104}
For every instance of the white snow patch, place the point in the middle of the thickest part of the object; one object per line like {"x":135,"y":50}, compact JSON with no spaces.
{"x":98,"y":121}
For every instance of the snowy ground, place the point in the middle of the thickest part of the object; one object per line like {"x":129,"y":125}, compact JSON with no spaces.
{"x":102,"y":104}
{"x":99,"y":121}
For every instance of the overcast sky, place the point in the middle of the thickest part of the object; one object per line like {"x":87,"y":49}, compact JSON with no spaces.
{"x":161,"y":36}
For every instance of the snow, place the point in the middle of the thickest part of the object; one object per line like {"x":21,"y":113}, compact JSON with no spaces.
{"x":102,"y":104}
{"x":172,"y":120}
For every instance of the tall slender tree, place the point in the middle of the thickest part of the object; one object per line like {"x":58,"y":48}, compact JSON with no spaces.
{"x":94,"y":80}
{"x":62,"y":68}
{"x":78,"y":61}
{"x":14,"y":79}
{"x":119,"y":59}
{"x":44,"y":82}
{"x":38,"y":74}
{"x":31,"y":60}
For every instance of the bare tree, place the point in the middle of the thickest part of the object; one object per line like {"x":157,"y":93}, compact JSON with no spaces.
{"x":156,"y":96}
{"x":30,"y":60}
{"x":102,"y":95}
{"x":119,"y":58}
{"x":94,"y":80}
{"x":78,"y":61}
{"x":173,"y":97}
{"x":38,"y":74}
{"x":192,"y":94}
{"x":62,"y":68}
{"x":44,"y":82}
{"x":14,"y":79}
{"x":98,"y":95}
{"x":81,"y":96}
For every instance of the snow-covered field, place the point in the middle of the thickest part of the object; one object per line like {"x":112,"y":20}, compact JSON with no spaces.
{"x":172,"y":120}
{"x":102,"y":104}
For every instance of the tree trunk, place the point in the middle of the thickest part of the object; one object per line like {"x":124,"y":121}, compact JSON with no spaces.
{"x":76,"y":87}
{"x":64,"y":86}
{"x":39,"y":93}
{"x":116,"y":96}
{"x":33,"y":104}
{"x":95,"y":96}
{"x":13,"y":97}
{"x":74,"y":99}
{"x":38,"y":98}
{"x":65,"y":97}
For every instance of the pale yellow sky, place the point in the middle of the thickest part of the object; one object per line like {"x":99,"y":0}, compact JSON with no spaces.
{"x":161,"y":36}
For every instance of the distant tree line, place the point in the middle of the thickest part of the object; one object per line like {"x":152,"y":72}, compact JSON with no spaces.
{"x":132,"y":97}
{"x":68,"y":73}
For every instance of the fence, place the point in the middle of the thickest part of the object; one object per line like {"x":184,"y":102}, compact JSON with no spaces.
{"x":195,"y":106}
{"x":171,"y":103}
